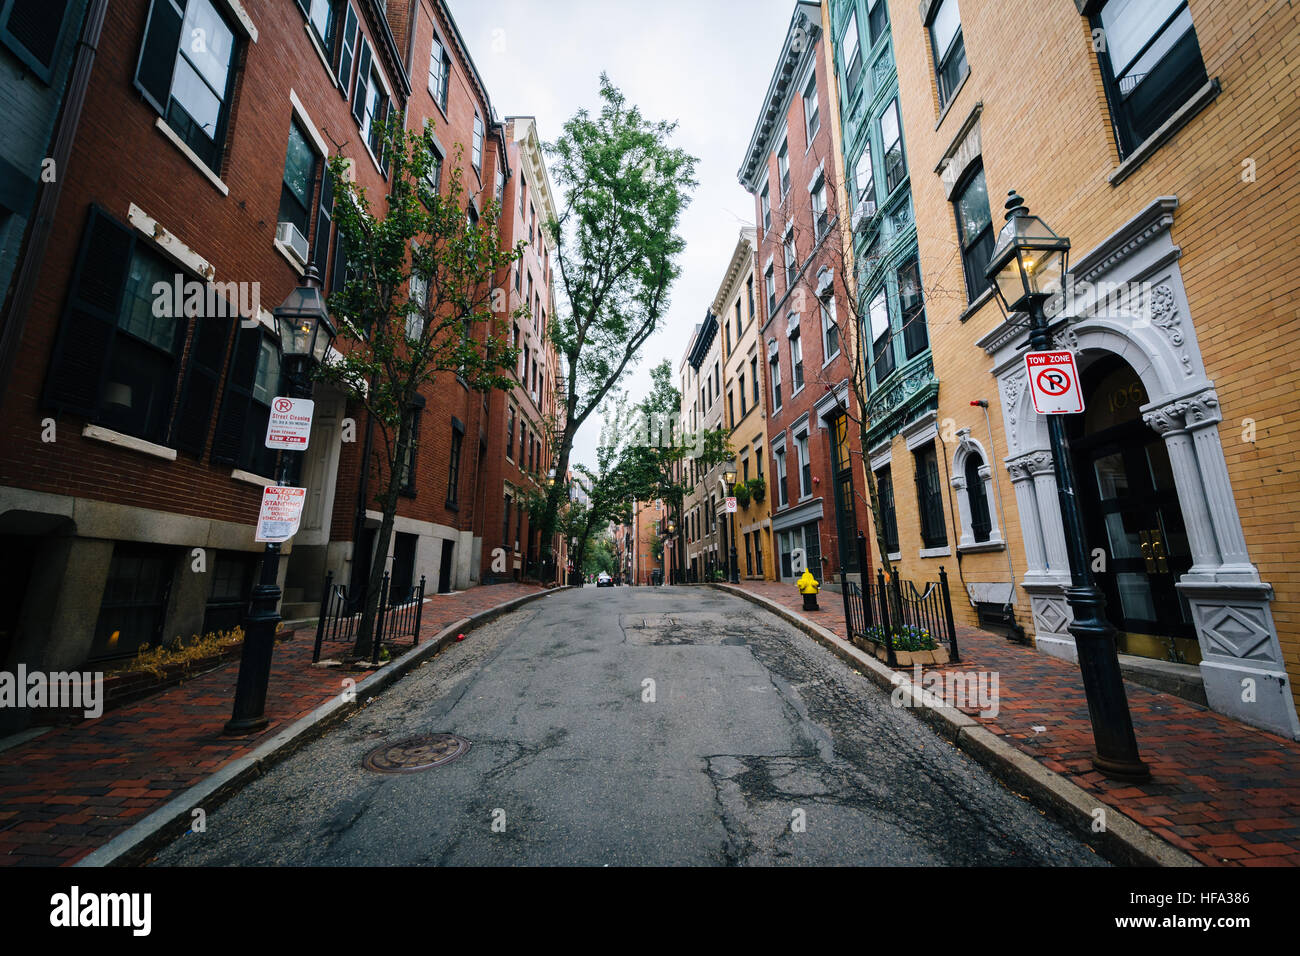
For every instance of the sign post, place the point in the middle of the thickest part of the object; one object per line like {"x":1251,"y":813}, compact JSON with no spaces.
{"x":1054,"y":382}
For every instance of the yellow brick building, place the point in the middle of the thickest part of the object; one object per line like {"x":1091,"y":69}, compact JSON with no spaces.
{"x":1162,"y":138}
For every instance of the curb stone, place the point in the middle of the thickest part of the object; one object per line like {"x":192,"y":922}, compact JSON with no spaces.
{"x":1124,"y":841}
{"x":136,"y":844}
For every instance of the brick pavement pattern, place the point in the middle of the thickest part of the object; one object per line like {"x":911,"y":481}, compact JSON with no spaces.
{"x":1223,"y":792}
{"x":69,"y":791}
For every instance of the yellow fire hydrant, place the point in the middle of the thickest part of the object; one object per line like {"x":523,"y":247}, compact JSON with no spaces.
{"x":808,"y":587}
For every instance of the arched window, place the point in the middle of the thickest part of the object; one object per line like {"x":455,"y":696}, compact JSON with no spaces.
{"x":980,"y":522}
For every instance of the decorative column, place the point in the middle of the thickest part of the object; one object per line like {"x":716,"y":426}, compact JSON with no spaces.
{"x":1167,"y":421}
{"x":1049,"y":513}
{"x":958,"y":483}
{"x":1203,"y":417}
{"x":990,"y":495}
{"x":1027,"y":507}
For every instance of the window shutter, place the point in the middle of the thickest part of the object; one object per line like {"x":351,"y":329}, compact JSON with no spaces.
{"x":81,"y":356}
{"x":324,"y":216}
{"x":385,"y":108}
{"x":202,"y":380}
{"x":363,"y":80}
{"x":233,"y":423}
{"x":162,"y":38}
{"x":349,"y":45}
{"x":31,"y":29}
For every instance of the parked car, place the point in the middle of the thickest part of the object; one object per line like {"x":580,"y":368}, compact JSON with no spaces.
{"x":603,"y":580}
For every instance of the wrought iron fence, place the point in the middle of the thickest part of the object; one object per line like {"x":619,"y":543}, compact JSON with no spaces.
{"x":399,"y":615}
{"x":895,"y":614}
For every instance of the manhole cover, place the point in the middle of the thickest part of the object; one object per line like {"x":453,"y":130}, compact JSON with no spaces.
{"x":415,"y":754}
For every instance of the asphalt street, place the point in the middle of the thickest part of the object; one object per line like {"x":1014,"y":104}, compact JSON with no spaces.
{"x":634,"y":726}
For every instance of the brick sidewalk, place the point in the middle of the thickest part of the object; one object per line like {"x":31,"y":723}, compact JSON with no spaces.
{"x":1223,"y":792}
{"x":74,"y":788}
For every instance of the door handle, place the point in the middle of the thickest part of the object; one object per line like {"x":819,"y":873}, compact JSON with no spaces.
{"x":1158,"y":549}
{"x":1148,"y":554}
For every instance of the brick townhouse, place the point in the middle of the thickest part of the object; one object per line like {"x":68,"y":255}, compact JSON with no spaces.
{"x":1161,"y":138}
{"x":816,"y":496}
{"x":523,"y":421}
{"x":701,"y":410}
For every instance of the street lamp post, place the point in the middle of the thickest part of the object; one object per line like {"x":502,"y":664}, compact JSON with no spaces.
{"x":1027,"y":267}
{"x":305,"y":337}
{"x":729,"y":478}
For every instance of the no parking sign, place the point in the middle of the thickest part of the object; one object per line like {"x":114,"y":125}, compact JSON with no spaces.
{"x":1054,"y":382}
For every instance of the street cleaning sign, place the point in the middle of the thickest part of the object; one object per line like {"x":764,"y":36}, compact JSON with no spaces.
{"x":289,"y":425}
{"x":281,"y":513}
{"x":1054,"y":382}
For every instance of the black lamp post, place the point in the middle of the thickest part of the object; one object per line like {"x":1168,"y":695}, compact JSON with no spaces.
{"x":670,"y":543}
{"x":305,"y":337}
{"x":1028,"y":267}
{"x":729,"y":478}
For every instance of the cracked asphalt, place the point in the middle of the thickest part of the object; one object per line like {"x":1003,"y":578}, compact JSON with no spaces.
{"x":634,"y":726}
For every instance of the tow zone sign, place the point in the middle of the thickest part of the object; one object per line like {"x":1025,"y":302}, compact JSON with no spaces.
{"x":281,"y":513}
{"x":1054,"y":382}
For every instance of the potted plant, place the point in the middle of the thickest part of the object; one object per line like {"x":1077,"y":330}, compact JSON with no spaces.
{"x":757,"y":487}
{"x":741,"y":491}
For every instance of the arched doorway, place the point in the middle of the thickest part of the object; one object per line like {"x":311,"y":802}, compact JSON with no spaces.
{"x":1131,"y":512}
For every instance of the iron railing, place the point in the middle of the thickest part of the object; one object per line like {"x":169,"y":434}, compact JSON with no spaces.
{"x":399,"y":615}
{"x":895,"y":614}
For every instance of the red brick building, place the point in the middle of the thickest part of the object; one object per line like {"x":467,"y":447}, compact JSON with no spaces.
{"x":131,"y":459}
{"x":816,"y":497}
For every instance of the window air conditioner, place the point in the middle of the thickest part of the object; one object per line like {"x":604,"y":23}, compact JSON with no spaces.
{"x":287,"y":234}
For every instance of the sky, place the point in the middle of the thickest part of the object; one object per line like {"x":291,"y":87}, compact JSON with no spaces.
{"x":704,"y":63}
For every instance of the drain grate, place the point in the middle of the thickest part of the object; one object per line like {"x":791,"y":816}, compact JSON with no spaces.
{"x":415,"y":754}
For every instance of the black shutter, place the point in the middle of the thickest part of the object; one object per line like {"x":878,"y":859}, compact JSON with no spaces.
{"x":31,"y":28}
{"x":80,"y":359}
{"x":324,"y":215}
{"x":339,"y":268}
{"x":363,"y":79}
{"x":162,"y":38}
{"x":348,"y":43}
{"x":202,"y":380}
{"x":232,"y":426}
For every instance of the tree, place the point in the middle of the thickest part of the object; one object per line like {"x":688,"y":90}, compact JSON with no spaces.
{"x":419,"y":286}
{"x":616,"y":244}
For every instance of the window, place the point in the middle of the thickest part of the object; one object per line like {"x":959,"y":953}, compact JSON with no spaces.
{"x":251,"y":384}
{"x":791,"y":260}
{"x":118,"y":363}
{"x":863,"y":177}
{"x":740,"y":387}
{"x":830,"y":330}
{"x":796,"y":361}
{"x":912,"y":306}
{"x":510,"y":432}
{"x":767,"y":208}
{"x":775,"y":363}
{"x":888,"y":520}
{"x":805,"y":464}
{"x":135,"y":601}
{"x":439,"y":73}
{"x":949,"y":49}
{"x":33,"y":29}
{"x":974,"y":231}
{"x":476,"y":151}
{"x":877,"y":19}
{"x":347,"y":49}
{"x":811,"y":113}
{"x":1151,"y":63}
{"x":505,"y":526}
{"x":783,"y":495}
{"x":453,"y":464}
{"x":320,"y":15}
{"x":406,"y":468}
{"x":981,"y":522}
{"x":769,"y":282}
{"x":753,"y":379}
{"x":851,"y":56}
{"x":420,"y":300}
{"x":299,"y":180}
{"x":750,"y":289}
{"x":188,"y":83}
{"x":820,"y":217}
{"x":891,"y":137}
{"x":783,"y":166}
{"x":929,"y":498}
{"x":749,"y":558}
{"x":434,"y":177}
{"x":500,"y":193}
{"x":731,"y":409}
{"x":369,"y":106}
{"x":738,"y":322}
{"x":882,"y":351}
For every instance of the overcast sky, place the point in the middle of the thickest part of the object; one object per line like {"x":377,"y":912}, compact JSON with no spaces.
{"x":704,"y":63}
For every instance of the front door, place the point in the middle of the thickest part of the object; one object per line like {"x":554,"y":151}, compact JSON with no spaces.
{"x":846,"y":520}
{"x":1134,"y":523}
{"x":444,"y":566}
